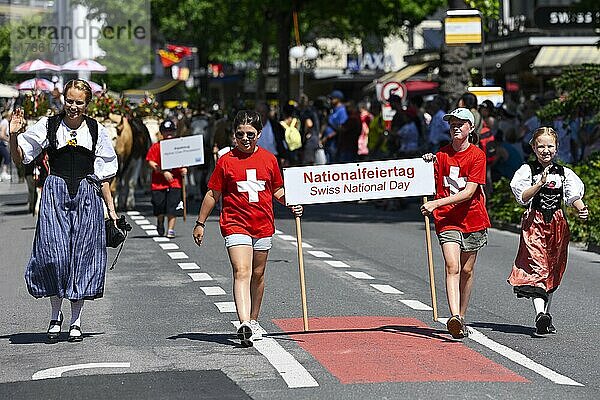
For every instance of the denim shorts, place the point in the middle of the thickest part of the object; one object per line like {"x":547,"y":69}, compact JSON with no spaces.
{"x":238,"y":239}
{"x":468,"y":241}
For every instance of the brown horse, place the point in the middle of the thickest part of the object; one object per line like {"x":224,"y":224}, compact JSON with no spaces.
{"x":131,"y":141}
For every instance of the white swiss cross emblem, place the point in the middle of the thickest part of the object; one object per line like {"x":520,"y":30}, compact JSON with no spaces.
{"x":455,"y":182}
{"x":251,"y":185}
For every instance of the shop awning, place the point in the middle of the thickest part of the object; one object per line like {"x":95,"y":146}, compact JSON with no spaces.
{"x":494,"y":60}
{"x":398,"y":76}
{"x":511,"y":61}
{"x":562,"y":56}
{"x":157,"y":86}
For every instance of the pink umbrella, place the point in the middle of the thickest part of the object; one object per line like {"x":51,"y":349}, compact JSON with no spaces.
{"x":83,"y":65}
{"x":95,"y":87}
{"x":37,"y":65}
{"x":36,"y":84}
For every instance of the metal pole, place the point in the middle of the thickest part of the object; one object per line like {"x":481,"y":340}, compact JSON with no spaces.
{"x":482,"y":54}
{"x":301,"y":79}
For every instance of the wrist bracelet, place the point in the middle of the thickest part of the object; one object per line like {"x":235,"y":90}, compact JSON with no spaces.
{"x":198,"y":223}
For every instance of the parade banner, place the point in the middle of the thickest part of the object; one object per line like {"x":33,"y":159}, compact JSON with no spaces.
{"x":181,"y":152}
{"x":358,"y":181}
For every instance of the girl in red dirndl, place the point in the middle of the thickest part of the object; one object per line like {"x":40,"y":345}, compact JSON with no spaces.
{"x":541,"y":260}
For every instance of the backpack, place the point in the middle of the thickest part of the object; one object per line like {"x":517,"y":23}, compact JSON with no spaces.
{"x":292,"y":135}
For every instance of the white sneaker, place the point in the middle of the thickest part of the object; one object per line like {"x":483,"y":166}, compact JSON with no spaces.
{"x":257,"y":330}
{"x":244,"y":333}
{"x":6,"y":176}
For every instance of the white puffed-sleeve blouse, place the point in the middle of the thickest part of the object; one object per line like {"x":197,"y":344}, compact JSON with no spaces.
{"x":573,"y":186}
{"x":34,"y":140}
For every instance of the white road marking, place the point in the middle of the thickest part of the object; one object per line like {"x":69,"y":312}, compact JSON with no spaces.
{"x":226,"y":306}
{"x":287,"y":237}
{"x":278,"y":232}
{"x":178,"y":255}
{"x":359,"y":275}
{"x":386,"y":289}
{"x":292,"y":372}
{"x":416,"y":305}
{"x":133,"y":212}
{"x":517,"y":357}
{"x":213,"y":290}
{"x":152,"y":233}
{"x":161,"y":239}
{"x":148,"y":227}
{"x":200,"y":276}
{"x":338,"y":264}
{"x":304,"y":245}
{"x":57,"y":372}
{"x":191,"y":265}
{"x":136,"y":217}
{"x":168,"y":246}
{"x":142,"y":221}
{"x":319,"y":254}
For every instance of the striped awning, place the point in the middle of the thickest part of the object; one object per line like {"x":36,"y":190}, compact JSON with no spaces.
{"x":562,"y":56}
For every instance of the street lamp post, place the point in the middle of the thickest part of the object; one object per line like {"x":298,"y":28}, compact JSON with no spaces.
{"x":302,"y":54}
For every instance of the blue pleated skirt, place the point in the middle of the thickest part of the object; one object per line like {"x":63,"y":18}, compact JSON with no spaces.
{"x":68,"y":259}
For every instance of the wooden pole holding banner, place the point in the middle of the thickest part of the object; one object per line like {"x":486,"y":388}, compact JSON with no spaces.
{"x":184,"y":197}
{"x":430,"y":264}
{"x":301,"y":269}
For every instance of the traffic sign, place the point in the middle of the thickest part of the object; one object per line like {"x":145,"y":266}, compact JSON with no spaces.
{"x":391,"y":88}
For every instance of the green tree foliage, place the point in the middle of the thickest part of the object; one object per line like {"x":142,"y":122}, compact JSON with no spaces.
{"x":579,"y":94}
{"x":504,"y":209}
{"x":226,"y":30}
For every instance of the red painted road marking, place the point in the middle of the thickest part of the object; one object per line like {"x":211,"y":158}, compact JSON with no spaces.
{"x":388,"y":349}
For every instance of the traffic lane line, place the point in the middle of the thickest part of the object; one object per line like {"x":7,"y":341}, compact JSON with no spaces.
{"x":292,"y":372}
{"x":517,"y":357}
{"x":57,"y":372}
{"x":391,"y":349}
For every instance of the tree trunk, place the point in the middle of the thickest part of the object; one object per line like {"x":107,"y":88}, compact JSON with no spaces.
{"x":284,"y":29}
{"x":453,"y":74}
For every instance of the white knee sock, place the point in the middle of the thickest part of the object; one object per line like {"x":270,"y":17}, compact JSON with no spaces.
{"x":76,"y":307}
{"x":55,"y":303}
{"x":539,"y":304}
{"x":548,"y":303}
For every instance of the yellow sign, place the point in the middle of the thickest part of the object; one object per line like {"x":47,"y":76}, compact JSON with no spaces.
{"x":493,"y":93}
{"x":462,"y":30}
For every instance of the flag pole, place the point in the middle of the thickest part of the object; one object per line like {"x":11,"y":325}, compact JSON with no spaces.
{"x":301,"y":270}
{"x":430,"y":265}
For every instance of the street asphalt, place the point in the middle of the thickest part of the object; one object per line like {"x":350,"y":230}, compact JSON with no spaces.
{"x":164,"y":328}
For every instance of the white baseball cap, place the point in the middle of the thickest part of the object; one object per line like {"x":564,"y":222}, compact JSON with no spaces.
{"x":461,"y":113}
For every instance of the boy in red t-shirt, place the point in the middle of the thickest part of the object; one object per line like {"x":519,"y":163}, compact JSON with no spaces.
{"x":461,"y":219}
{"x":166,"y":184}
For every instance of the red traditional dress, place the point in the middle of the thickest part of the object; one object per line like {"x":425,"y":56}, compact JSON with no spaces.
{"x":247,"y":183}
{"x":452,"y":172}
{"x":542,"y":256}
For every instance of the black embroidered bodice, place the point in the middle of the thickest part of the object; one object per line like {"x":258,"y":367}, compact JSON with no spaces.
{"x":548,"y":199}
{"x":72,"y":162}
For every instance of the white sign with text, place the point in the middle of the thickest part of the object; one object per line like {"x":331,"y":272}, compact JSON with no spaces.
{"x":358,"y":181}
{"x":181,"y":152}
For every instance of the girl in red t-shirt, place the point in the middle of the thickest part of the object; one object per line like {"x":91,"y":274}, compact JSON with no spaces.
{"x":247,"y":178}
{"x":461,"y":219}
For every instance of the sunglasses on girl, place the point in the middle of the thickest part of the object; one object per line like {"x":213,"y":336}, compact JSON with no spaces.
{"x":249,"y":135}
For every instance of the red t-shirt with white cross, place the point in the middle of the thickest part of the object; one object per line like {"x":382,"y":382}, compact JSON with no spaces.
{"x":247,"y":183}
{"x":452,"y":172}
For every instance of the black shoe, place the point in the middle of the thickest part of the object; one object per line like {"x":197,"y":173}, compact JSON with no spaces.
{"x":75,"y":338}
{"x":551,"y":328}
{"x":542,"y":322}
{"x":160,"y":228}
{"x":53,"y":336}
